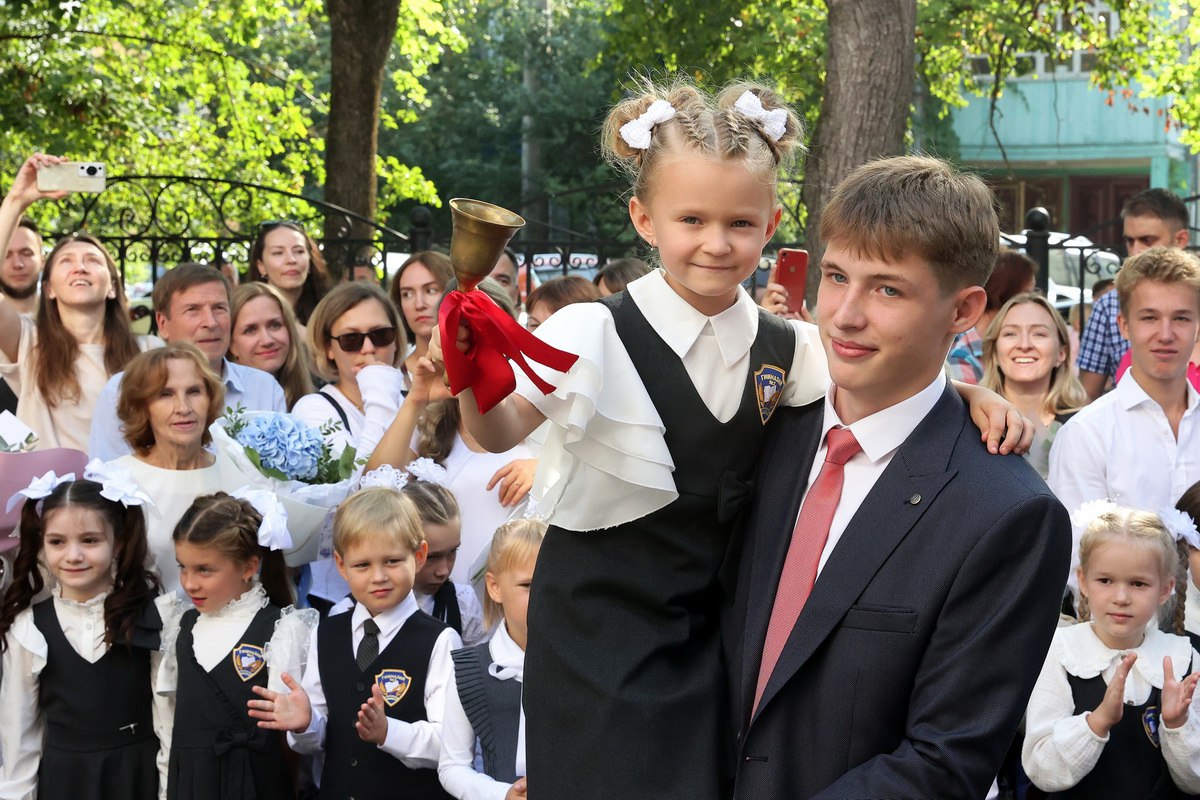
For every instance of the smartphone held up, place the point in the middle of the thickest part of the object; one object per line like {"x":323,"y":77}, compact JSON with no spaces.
{"x":72,"y":176}
{"x":791,"y":272}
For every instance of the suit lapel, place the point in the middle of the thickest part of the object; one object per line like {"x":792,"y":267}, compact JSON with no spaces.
{"x":909,"y":486}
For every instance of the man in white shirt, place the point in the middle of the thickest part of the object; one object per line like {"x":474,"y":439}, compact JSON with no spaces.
{"x":1139,"y":445}
{"x":891,"y":614}
{"x":191,"y":304}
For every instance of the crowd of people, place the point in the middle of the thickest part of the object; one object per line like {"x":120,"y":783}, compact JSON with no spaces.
{"x":733,"y":553}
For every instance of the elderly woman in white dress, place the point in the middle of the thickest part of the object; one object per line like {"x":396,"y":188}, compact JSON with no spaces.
{"x":169,"y":398}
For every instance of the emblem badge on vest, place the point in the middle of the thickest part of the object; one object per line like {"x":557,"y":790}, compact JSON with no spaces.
{"x":248,"y":661}
{"x":768,"y":388}
{"x":394,"y":684}
{"x":1150,"y":724}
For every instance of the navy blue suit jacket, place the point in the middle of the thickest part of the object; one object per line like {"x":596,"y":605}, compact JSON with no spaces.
{"x":909,"y":668}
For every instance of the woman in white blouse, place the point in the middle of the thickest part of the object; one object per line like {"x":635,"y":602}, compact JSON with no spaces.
{"x":58,"y":364}
{"x":169,"y":398}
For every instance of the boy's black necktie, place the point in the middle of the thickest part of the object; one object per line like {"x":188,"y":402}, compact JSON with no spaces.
{"x":368,"y":648}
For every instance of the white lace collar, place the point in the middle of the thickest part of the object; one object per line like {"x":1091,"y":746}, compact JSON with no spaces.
{"x":89,"y":604}
{"x":1083,"y":655}
{"x":249,"y":604}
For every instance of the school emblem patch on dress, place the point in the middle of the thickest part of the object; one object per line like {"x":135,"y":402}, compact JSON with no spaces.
{"x":1150,"y":723}
{"x":394,"y":684}
{"x":768,"y":388}
{"x":248,"y":661}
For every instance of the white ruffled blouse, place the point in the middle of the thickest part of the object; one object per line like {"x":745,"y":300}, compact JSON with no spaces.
{"x":24,"y":659}
{"x":1060,"y":748}
{"x":605,"y":461}
{"x":456,"y":767}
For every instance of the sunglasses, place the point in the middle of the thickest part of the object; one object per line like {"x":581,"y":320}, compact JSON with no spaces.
{"x":270,"y":225}
{"x":353,"y":342}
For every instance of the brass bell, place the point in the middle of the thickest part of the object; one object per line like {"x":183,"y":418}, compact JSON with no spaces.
{"x":481,"y":232}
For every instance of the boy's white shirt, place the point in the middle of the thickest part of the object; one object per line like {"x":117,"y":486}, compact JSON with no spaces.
{"x":416,"y":744}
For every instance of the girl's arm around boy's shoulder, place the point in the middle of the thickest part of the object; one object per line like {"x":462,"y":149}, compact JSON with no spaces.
{"x":1060,"y":748}
{"x":808,"y":374}
{"x":418,"y":745}
{"x":22,"y":728}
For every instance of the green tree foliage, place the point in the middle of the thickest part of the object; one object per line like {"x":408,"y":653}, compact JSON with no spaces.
{"x":221,"y":88}
{"x":467,"y":139}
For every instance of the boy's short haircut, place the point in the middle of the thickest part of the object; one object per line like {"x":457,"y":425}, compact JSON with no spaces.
{"x":1160,"y":203}
{"x":1168,"y":265}
{"x":893,"y":208}
{"x":376,"y":511}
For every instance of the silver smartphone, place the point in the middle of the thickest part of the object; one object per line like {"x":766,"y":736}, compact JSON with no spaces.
{"x":72,"y":176}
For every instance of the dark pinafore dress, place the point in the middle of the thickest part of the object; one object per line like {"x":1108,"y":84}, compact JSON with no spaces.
{"x":1131,"y":767}
{"x":217,"y":751}
{"x":99,"y":742}
{"x":624,"y":683}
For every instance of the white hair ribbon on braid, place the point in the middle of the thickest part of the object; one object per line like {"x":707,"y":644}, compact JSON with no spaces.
{"x":384,"y":475}
{"x":272,"y":531}
{"x":428,"y":470}
{"x":1181,"y":525}
{"x":38,"y":489}
{"x":1088,"y":511}
{"x":636,"y":132}
{"x":773,"y":122}
{"x":117,"y":483}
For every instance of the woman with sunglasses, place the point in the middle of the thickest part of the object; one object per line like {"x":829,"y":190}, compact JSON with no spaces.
{"x":286,"y":257}
{"x":358,"y":343}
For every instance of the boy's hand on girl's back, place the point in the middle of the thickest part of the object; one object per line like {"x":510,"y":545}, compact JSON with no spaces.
{"x":517,"y":791}
{"x":279,"y":711}
{"x":372,"y":724}
{"x":1176,"y":695}
{"x":1112,"y":707}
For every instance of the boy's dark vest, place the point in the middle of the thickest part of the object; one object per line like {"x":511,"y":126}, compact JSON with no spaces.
{"x":89,"y":707}
{"x":445,"y":607}
{"x":358,"y":769}
{"x":493,"y":708}
{"x":1132,"y":765}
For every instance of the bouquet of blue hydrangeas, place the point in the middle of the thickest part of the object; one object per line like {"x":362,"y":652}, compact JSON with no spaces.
{"x":277,"y":452}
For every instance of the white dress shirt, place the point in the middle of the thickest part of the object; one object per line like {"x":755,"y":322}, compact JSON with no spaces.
{"x":1121,"y":448}
{"x":23,"y":729}
{"x":1060,"y":747}
{"x":605,"y":461}
{"x":416,"y":744}
{"x":456,"y":768}
{"x":469,"y":609}
{"x":254,"y":389}
{"x":880,"y":436}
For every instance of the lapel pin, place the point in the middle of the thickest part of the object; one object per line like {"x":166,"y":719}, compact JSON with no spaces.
{"x":916,"y":498}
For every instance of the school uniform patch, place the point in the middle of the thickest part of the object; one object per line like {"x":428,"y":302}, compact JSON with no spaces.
{"x":394,"y":684}
{"x":1150,"y":724}
{"x":768,"y":388}
{"x":248,"y":661}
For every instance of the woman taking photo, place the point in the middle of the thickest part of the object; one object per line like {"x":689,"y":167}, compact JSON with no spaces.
{"x":286,"y":257}
{"x":169,"y":398}
{"x":1026,"y":354}
{"x":264,"y":335}
{"x":417,"y":288}
{"x":57,"y":365}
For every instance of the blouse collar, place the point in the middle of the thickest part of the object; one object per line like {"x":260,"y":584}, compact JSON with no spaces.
{"x":680,"y":325}
{"x":1083,"y":655}
{"x":249,"y":604}
{"x":508,"y":659}
{"x":89,"y":604}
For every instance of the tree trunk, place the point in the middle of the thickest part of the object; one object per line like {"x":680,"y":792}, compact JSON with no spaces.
{"x":361,"y":34}
{"x":864,"y":112}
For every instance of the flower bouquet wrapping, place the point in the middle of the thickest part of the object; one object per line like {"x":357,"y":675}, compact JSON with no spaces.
{"x":277,"y":452}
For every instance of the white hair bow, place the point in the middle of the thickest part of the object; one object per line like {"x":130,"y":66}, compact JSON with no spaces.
{"x":1181,"y":525}
{"x":39,"y":488}
{"x":117,"y":483}
{"x":428,"y":470}
{"x":272,"y":531}
{"x":1089,"y":510}
{"x":773,"y":122}
{"x":636,"y":132}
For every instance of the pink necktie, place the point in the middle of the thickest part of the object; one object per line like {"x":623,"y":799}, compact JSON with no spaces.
{"x":804,"y":553}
